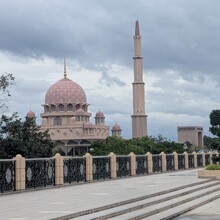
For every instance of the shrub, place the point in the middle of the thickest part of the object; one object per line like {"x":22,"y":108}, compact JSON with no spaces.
{"x":213,"y":167}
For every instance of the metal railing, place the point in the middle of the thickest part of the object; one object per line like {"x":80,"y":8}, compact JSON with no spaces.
{"x":39,"y":172}
{"x":191,"y":160}
{"x":207,"y":159}
{"x":141,"y":164}
{"x":170,"y":162}
{"x":7,"y":175}
{"x":181,"y":161}
{"x":157,"y":163}
{"x":123,"y":166}
{"x":74,"y":169}
{"x":101,"y":167}
{"x":199,"y":160}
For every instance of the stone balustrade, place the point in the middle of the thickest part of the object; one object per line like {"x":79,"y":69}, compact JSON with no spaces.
{"x":22,"y":174}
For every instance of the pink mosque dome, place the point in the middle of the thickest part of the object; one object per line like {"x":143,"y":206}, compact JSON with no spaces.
{"x":99,"y":114}
{"x":65,"y":91}
{"x":116,"y":127}
{"x":30,"y":114}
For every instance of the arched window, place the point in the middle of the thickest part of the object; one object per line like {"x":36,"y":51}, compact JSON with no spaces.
{"x":69,"y":107}
{"x":53,"y":108}
{"x":46,"y":108}
{"x":61,"y":107}
{"x":57,"y":121}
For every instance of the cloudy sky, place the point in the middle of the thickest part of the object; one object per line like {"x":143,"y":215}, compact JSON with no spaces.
{"x":180,"y":46}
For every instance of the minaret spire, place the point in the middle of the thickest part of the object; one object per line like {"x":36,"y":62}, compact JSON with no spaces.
{"x":137,"y":29}
{"x":139,"y":118}
{"x":65,"y":74}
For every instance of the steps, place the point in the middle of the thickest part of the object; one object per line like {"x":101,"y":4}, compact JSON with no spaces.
{"x":166,"y":204}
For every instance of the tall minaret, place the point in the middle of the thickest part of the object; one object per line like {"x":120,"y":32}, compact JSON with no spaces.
{"x":139,"y":118}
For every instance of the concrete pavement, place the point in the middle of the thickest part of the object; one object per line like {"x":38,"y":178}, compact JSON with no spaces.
{"x":55,"y":202}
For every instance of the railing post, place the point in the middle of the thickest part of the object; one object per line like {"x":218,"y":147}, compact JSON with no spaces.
{"x":195,"y":159}
{"x":203,"y":159}
{"x":149,"y":162}
{"x":163,"y":162}
{"x":89,"y":173}
{"x":175,"y":155}
{"x":20,"y":172}
{"x":58,"y":169}
{"x":133,"y":163}
{"x":186,"y":157}
{"x":113,"y":165}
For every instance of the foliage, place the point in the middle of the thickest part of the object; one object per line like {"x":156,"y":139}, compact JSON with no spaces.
{"x":6,"y":81}
{"x":23,"y":137}
{"x":213,"y":167}
{"x":138,"y":146}
{"x":215,"y":160}
{"x":212,"y":143}
{"x":215,"y":122}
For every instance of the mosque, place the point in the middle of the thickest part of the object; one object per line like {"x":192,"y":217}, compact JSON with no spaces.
{"x":67,"y":118}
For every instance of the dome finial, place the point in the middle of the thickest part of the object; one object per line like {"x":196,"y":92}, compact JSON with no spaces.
{"x":65,"y":74}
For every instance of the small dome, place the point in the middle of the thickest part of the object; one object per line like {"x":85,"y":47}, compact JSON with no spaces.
{"x":44,"y":121}
{"x":65,"y":91}
{"x":80,"y":112}
{"x":72,"y":120}
{"x":116,"y":127}
{"x":99,"y":114}
{"x":88,"y":125}
{"x":30,"y":114}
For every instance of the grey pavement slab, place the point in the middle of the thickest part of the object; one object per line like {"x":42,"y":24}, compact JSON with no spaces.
{"x":50,"y":203}
{"x":210,"y":211}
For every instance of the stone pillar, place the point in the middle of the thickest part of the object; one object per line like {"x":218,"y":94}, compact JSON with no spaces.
{"x":195,"y":159}
{"x":58,"y":169}
{"x":186,"y":157}
{"x":175,"y":155}
{"x":149,"y":162}
{"x":133,"y":163}
{"x":20,"y":172}
{"x":89,"y":173}
{"x":113,"y":165}
{"x":203,"y":159}
{"x":163,"y":162}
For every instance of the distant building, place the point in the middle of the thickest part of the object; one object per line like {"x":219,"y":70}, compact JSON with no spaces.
{"x":192,"y":134}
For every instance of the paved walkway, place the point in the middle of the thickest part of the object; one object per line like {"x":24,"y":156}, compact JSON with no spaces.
{"x":55,"y":202}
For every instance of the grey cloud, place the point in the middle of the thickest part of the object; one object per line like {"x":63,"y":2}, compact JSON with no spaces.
{"x":182,"y":35}
{"x":109,"y":80}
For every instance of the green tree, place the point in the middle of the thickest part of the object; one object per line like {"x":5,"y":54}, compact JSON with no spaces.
{"x":6,"y":81}
{"x":215,"y":122}
{"x":212,"y":143}
{"x":23,"y":137}
{"x":141,"y":146}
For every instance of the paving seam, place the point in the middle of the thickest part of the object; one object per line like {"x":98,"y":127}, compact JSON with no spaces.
{"x":89,"y":211}
{"x":135,"y":208}
{"x":156,"y":211}
{"x":190,"y":208}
